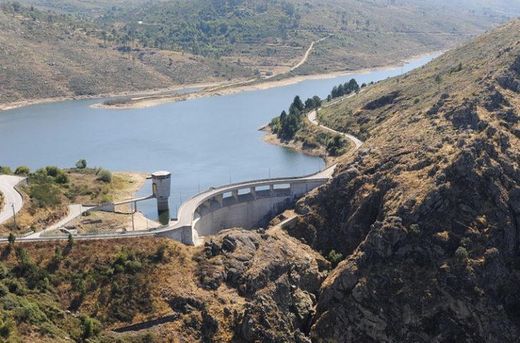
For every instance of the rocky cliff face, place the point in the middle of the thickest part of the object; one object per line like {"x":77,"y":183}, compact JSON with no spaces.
{"x":428,"y":211}
{"x":276,"y":279}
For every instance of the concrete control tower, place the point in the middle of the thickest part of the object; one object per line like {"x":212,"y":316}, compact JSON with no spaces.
{"x":161,"y":186}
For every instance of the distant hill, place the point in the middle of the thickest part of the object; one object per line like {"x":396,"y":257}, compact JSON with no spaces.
{"x":46,"y":55}
{"x":69,"y":47}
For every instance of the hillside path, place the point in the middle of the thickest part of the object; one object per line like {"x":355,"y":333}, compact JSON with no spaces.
{"x":312,"y":116}
{"x":307,"y":54}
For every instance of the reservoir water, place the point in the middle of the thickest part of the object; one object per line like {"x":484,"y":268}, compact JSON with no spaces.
{"x":204,"y":142}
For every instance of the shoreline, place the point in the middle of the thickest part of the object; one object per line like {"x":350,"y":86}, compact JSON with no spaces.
{"x":142,"y":93}
{"x":270,"y":138}
{"x":155,"y":97}
{"x":254,"y":85}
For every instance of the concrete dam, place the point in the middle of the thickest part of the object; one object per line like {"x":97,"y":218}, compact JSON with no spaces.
{"x":248,"y":204}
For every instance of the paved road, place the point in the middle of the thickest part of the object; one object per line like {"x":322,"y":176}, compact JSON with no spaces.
{"x":312,"y":118}
{"x":11,"y":196}
{"x":75,"y":210}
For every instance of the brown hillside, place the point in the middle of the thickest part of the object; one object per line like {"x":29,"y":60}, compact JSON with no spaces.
{"x":47,"y":56}
{"x":428,"y":210}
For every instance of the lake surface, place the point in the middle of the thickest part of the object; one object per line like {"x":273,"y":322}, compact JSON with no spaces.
{"x":204,"y":142}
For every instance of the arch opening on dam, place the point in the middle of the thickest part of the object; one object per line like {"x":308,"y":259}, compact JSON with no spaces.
{"x":247,"y":205}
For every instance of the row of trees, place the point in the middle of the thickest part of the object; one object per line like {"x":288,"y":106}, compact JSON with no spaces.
{"x":287,"y":124}
{"x":344,"y":89}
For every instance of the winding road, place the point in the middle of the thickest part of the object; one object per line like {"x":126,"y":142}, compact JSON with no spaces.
{"x":312,"y":116}
{"x":11,"y":196}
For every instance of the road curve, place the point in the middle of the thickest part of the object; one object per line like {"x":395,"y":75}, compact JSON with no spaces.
{"x":312,"y":116}
{"x":11,"y":196}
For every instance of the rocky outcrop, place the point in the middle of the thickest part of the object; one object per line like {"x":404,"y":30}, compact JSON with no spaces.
{"x":277,"y":277}
{"x":382,"y":101}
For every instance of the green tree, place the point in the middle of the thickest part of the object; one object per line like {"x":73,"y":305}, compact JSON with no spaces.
{"x":52,"y":171}
{"x":317,"y":101}
{"x":91,"y":327}
{"x":298,"y":103}
{"x":11,"y":239}
{"x":105,"y":175}
{"x":312,"y":103}
{"x":353,"y":86}
{"x":335,"y":145}
{"x":81,"y":164}
{"x":61,"y":178}
{"x":22,"y":170}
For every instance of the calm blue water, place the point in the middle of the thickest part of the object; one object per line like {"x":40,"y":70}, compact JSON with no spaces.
{"x":204,"y":142}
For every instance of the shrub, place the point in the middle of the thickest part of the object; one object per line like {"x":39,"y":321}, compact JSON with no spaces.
{"x":334,"y":257}
{"x":11,"y":239}
{"x":15,"y":286}
{"x":105,"y":176}
{"x":3,"y":290}
{"x":52,"y":171}
{"x":22,"y":170}
{"x":117,"y":101}
{"x":62,"y":178}
{"x":91,"y":327}
{"x":45,"y":195}
{"x":461,"y":254}
{"x":3,"y":271}
{"x":414,"y":229}
{"x":6,"y":327}
{"x":160,"y":254}
{"x":465,"y":242}
{"x":29,"y":312}
{"x":5,"y":170}
{"x":70,"y":240}
{"x":81,"y":164}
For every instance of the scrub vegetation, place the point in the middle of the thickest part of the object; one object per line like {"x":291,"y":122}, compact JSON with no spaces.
{"x":53,"y":49}
{"x":48,"y":191}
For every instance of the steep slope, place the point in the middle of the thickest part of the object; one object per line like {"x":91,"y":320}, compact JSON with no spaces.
{"x":428,"y":211}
